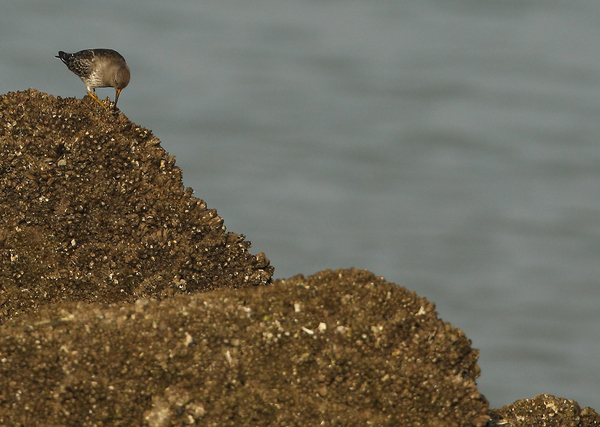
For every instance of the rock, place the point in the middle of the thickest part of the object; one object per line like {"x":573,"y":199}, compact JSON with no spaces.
{"x":93,"y":209}
{"x":124,"y":302}
{"x":544,"y":411}
{"x":337,"y":348}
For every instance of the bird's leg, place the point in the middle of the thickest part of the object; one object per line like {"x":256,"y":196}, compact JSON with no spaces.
{"x":95,"y":98}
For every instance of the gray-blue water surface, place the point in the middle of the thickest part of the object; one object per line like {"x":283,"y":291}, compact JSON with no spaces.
{"x":449,"y":146}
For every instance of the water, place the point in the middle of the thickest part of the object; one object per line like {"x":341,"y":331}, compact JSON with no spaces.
{"x":450,"y":146}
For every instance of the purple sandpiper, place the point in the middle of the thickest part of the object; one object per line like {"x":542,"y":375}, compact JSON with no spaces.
{"x":98,"y":68}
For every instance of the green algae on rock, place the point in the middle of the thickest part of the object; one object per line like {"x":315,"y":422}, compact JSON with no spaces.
{"x":340,"y":348}
{"x":93,"y":209}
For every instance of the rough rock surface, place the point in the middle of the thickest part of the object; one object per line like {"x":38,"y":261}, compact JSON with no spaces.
{"x":338,"y":348}
{"x":544,"y":411}
{"x":124,"y":302}
{"x":93,"y":209}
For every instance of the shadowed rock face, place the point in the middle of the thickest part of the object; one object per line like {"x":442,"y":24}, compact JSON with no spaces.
{"x":93,"y":209}
{"x":337,"y":348}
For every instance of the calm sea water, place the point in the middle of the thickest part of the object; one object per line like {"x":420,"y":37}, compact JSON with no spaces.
{"x":450,"y":146}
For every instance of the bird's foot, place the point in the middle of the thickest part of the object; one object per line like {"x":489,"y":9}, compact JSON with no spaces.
{"x":98,"y":100}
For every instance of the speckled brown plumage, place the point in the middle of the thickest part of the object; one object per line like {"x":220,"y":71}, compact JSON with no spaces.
{"x":98,"y":68}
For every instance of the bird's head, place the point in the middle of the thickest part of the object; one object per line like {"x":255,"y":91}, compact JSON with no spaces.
{"x":121,"y":79}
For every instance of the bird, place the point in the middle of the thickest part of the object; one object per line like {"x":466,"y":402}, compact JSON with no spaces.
{"x":98,"y":68}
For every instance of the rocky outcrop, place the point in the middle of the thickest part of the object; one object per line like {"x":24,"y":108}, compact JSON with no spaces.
{"x":338,"y":348}
{"x":544,"y":411}
{"x":124,"y":302}
{"x":94,"y":209}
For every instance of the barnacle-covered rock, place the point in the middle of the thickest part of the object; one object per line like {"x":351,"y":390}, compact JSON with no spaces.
{"x":94,"y":209}
{"x":544,"y":410}
{"x":340,"y":348}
